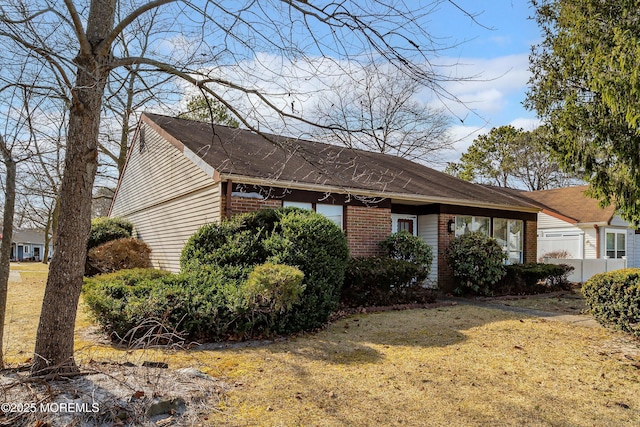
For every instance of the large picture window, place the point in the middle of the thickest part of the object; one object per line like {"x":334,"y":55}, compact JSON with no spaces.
{"x":467,"y":224}
{"x":616,"y":242}
{"x":508,"y":233}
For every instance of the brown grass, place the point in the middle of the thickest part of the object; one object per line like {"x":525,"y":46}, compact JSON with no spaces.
{"x":460,"y":365}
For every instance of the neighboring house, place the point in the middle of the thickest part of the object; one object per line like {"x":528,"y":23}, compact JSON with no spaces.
{"x":27,"y":245}
{"x":182,"y":174}
{"x":574,"y":223}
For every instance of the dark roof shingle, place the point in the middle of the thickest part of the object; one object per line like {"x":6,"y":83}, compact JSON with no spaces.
{"x":276,"y":158}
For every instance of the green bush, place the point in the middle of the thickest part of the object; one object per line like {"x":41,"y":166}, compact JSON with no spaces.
{"x":117,"y":255}
{"x":477,"y":262}
{"x":289,"y":236}
{"x":371,"y":281}
{"x":273,"y":287}
{"x":405,"y":246}
{"x":614,"y":299}
{"x":105,"y":229}
{"x":533,"y":278}
{"x":108,"y":296}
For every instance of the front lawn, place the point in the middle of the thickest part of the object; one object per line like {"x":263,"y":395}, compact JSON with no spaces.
{"x":458,"y":365}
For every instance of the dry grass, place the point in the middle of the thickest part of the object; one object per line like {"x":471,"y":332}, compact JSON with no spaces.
{"x":460,"y":365}
{"x":566,"y":302}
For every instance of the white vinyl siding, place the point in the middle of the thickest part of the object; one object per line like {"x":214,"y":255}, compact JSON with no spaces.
{"x":428,"y":232}
{"x":546,"y":221}
{"x":167,"y":197}
{"x":590,"y":243}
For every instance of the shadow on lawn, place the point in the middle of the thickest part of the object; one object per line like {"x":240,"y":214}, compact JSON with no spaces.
{"x":362,"y":338}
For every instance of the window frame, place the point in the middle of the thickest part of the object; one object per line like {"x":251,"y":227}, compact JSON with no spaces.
{"x":616,"y":252}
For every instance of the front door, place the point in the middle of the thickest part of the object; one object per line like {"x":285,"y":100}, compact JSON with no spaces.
{"x":20,"y":252}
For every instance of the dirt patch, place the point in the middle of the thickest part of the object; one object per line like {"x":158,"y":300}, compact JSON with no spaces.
{"x":107,"y":394}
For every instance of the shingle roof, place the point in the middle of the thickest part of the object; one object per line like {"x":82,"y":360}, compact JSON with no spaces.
{"x":571,"y":202}
{"x":238,"y":152}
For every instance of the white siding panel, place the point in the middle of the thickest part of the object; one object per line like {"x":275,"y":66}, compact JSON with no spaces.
{"x":428,"y":231}
{"x":590,"y":240}
{"x":546,"y":221}
{"x":156,"y":174}
{"x":167,"y":227}
{"x":166,"y":196}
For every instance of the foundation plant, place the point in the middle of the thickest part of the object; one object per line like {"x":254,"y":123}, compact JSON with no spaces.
{"x":264,"y":273}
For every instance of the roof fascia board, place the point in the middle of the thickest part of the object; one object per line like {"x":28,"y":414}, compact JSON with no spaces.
{"x":370,"y":193}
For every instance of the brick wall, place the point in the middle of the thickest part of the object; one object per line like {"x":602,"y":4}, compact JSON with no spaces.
{"x":530,"y":241}
{"x":365,"y":227}
{"x":446,"y":282}
{"x":240,"y":205}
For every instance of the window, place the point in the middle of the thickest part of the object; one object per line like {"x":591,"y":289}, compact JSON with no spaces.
{"x":405,"y":225}
{"x":616,"y":244}
{"x":332,"y":212}
{"x":507,"y":232}
{"x":467,"y":224}
{"x":300,"y":205}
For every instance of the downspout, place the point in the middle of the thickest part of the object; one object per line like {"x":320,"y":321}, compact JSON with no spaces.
{"x":227,"y":199}
{"x":597,"y":240}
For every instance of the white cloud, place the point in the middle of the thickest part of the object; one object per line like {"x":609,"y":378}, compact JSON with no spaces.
{"x":482,"y":86}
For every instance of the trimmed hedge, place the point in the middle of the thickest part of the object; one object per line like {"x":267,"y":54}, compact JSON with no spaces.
{"x":203,"y":305}
{"x":532,"y":278}
{"x":372,"y":281}
{"x":106,"y":229}
{"x":614,"y":299}
{"x":477,"y":262}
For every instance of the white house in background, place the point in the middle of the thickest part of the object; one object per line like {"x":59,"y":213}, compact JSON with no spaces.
{"x":27,"y":245}
{"x":574,"y":223}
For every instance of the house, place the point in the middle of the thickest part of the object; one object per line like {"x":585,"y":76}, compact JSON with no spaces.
{"x":573,"y":223}
{"x":27,"y":245}
{"x":182,"y":174}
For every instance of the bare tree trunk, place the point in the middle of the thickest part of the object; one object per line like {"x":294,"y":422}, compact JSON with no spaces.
{"x":55,"y":338}
{"x":7,"y":234}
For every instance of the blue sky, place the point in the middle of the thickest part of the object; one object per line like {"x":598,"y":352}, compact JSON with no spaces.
{"x":498,"y":55}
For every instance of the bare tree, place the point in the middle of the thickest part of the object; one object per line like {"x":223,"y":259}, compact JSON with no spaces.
{"x":377,"y":110}
{"x":78,"y":41}
{"x":16,"y":140}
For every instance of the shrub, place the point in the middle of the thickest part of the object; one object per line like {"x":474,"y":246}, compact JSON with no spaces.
{"x":319,"y":249}
{"x":559,"y":254}
{"x":533,"y":278}
{"x":405,"y":246}
{"x":477,"y":261}
{"x":371,"y":281}
{"x":289,"y":236}
{"x":117,"y":255}
{"x":105,"y":229}
{"x":273,"y":287}
{"x":108,"y":296}
{"x":614,"y":299}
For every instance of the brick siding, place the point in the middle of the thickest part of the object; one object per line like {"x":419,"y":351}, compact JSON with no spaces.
{"x":446,"y":281}
{"x":530,"y":241}
{"x":365,"y":227}
{"x":240,"y":205}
